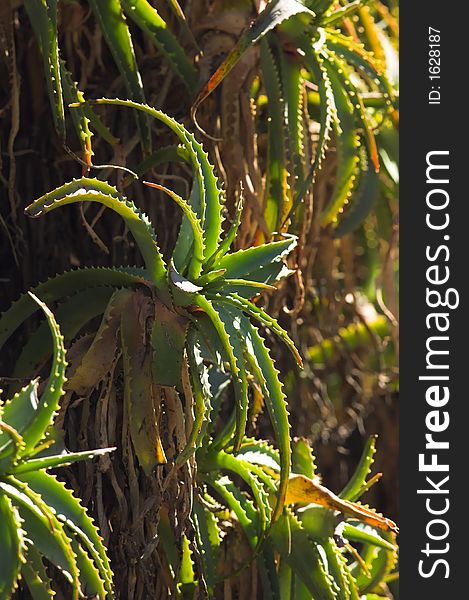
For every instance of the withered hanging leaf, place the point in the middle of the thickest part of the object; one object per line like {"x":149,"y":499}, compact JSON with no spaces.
{"x":302,"y":489}
{"x":139,"y":389}
{"x":168,"y":338}
{"x":98,"y":360}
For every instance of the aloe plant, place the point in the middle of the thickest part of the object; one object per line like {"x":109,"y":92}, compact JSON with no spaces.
{"x":111,"y":16}
{"x":40,"y":519}
{"x":300,"y":42}
{"x":308,"y":552}
{"x":204,"y":292}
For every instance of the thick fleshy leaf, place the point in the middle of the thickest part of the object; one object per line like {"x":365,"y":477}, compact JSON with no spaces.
{"x":11,"y":536}
{"x":147,"y":18}
{"x":94,"y":190}
{"x":227,"y":462}
{"x":347,"y":149}
{"x":303,"y":458}
{"x":197,"y":259}
{"x":35,"y":575}
{"x":60,"y":460}
{"x":43,"y":17}
{"x":202,"y":393}
{"x":230,"y":343}
{"x":356,"y":482}
{"x":379,"y":562}
{"x":24,"y":412}
{"x":363,"y":534}
{"x":328,"y":111}
{"x":362,"y":60}
{"x":245,"y":264}
{"x":337,"y":568}
{"x":69,"y":511}
{"x":278,"y":201}
{"x":84,"y":117}
{"x":66,"y":284}
{"x":264,"y":370}
{"x":111,"y":18}
{"x":91,"y":583}
{"x":295,"y":547}
{"x":207,"y":200}
{"x":239,"y":503}
{"x":43,"y":529}
{"x":361,"y":203}
{"x":260,"y":315}
{"x":208,"y":542}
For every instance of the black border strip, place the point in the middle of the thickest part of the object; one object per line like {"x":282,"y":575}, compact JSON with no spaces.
{"x":433,"y":119}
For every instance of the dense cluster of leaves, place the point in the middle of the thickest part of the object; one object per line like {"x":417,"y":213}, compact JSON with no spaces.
{"x":188,"y":325}
{"x":39,"y":517}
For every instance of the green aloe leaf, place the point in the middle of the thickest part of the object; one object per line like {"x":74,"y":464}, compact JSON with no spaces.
{"x":75,"y":518}
{"x":293,"y":92}
{"x":303,"y":458}
{"x":230,"y":343}
{"x":11,"y":536}
{"x":63,"y":285}
{"x":358,"y":479}
{"x":260,"y":315}
{"x":337,"y":568}
{"x":278,"y":195}
{"x":111,"y":18}
{"x":263,"y":368}
{"x":341,"y":13}
{"x":347,"y":141}
{"x":197,"y":259}
{"x":187,"y":581}
{"x":364,"y":534}
{"x":43,"y":17}
{"x":24,"y":412}
{"x":225,"y":244}
{"x":361,"y":202}
{"x":147,"y":18}
{"x":363,"y":61}
{"x":91,"y":583}
{"x":295,"y":547}
{"x":44,"y":530}
{"x":202,"y":396}
{"x":239,"y":503}
{"x":207,"y":200}
{"x":208,"y":542}
{"x":380,"y":562}
{"x":246,"y":264}
{"x":328,"y":111}
{"x":60,"y":460}
{"x":35,"y":575}
{"x":224,"y":461}
{"x":84,"y":117}
{"x":94,"y":190}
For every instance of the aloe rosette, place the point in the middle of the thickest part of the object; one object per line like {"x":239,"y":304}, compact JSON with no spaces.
{"x":202,"y":295}
{"x":41,"y":521}
{"x":301,"y":42}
